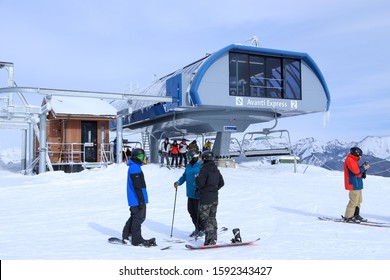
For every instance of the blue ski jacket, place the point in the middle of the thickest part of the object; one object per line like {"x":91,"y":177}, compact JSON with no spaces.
{"x":189,"y":177}
{"x":136,"y":186}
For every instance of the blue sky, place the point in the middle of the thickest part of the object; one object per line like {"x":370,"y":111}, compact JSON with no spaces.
{"x":108,"y":45}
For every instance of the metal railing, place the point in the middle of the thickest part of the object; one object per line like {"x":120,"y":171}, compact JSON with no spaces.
{"x":75,"y":153}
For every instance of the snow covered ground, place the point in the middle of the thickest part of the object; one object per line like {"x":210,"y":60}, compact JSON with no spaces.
{"x":58,"y":216}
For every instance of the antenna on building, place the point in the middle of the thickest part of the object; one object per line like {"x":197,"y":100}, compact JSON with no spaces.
{"x":254,"y":41}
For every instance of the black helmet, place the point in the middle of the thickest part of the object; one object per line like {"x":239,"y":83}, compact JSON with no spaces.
{"x":138,"y":155}
{"x":193,"y":155}
{"x":356,"y":151}
{"x":208,"y":155}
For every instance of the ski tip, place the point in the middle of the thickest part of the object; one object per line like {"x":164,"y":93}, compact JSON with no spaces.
{"x":323,"y":218}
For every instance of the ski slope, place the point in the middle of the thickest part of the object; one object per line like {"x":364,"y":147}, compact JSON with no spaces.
{"x":58,"y":216}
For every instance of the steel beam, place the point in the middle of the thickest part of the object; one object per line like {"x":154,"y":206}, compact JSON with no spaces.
{"x":92,"y":94}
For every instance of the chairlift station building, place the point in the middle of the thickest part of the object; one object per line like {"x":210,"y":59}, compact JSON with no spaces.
{"x":221,"y":93}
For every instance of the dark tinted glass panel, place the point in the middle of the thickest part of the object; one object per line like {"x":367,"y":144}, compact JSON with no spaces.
{"x":264,"y":76}
{"x":292,"y":79}
{"x":238,"y":74}
{"x":273,"y":73}
{"x":257,"y":76}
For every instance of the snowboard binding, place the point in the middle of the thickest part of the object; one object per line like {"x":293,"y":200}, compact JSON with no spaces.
{"x":236,"y":236}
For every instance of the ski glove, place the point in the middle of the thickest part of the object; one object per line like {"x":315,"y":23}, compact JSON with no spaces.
{"x":176,"y":184}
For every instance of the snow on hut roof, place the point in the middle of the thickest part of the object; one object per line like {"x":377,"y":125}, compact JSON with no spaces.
{"x":64,"y":105}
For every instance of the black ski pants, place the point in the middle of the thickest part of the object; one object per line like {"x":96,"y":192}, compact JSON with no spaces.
{"x":193,"y":210}
{"x":133,"y":225}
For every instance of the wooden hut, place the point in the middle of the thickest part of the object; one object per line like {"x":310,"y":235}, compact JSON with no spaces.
{"x":78,"y":132}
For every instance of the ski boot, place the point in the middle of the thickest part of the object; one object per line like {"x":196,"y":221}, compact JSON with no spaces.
{"x":147,"y":243}
{"x":351,"y":220}
{"x":127,"y":240}
{"x":360,"y":218}
{"x":150,"y":242}
{"x":237,"y":236}
{"x":357,"y":215}
{"x":210,"y":242}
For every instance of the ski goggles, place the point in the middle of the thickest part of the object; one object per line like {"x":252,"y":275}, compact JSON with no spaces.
{"x":190,"y":157}
{"x":141,"y":157}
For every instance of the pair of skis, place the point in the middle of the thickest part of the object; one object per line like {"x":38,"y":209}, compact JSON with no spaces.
{"x":367,"y":223}
{"x":331,"y":219}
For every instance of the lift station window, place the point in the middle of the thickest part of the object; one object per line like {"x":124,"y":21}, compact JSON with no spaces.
{"x":264,"y":76}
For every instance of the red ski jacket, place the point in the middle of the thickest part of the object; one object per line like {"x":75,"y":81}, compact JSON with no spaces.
{"x":353,"y":173}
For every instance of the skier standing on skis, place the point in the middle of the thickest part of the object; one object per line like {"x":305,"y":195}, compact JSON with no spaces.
{"x":353,"y":181}
{"x":137,"y":198}
{"x":183,"y":148}
{"x":192,"y":170}
{"x":175,"y":154}
{"x":209,"y":182}
{"x":165,"y":151}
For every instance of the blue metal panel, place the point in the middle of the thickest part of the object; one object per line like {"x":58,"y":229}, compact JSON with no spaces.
{"x":150,"y":113}
{"x":174,"y":89}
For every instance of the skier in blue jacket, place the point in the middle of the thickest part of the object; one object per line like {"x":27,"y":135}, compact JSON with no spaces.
{"x":192,"y":170}
{"x":137,"y":198}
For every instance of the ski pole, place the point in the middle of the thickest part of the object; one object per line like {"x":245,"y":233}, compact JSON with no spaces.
{"x":174,"y":209}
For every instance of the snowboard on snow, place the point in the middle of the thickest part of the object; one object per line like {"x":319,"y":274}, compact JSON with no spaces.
{"x":368,"y":223}
{"x":118,"y":241}
{"x":220,"y":245}
{"x":179,"y":240}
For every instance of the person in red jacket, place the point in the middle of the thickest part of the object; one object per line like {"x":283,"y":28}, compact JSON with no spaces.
{"x":175,"y":154}
{"x":353,"y":181}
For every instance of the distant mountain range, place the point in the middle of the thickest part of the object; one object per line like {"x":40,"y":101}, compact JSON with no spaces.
{"x":331,"y":155}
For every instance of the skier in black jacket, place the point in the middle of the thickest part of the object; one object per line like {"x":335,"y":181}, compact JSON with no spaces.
{"x":209,"y":182}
